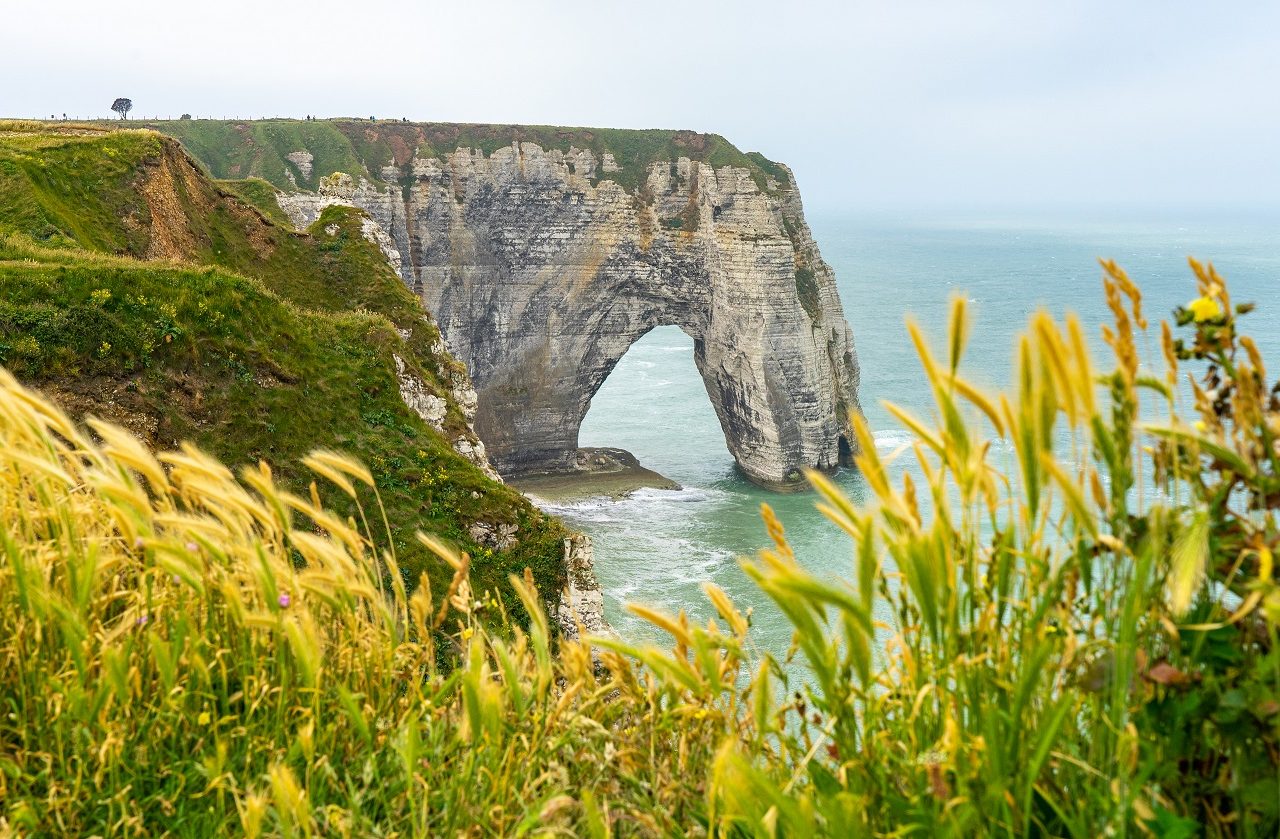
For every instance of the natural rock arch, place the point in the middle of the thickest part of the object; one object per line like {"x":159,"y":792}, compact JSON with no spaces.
{"x":669,"y":360}
{"x":541,"y":274}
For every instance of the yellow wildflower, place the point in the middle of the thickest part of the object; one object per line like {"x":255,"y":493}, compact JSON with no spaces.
{"x":1204,"y":308}
{"x":204,"y":718}
{"x":467,"y":633}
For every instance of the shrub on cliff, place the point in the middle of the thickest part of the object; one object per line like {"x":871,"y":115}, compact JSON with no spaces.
{"x":1084,"y":647}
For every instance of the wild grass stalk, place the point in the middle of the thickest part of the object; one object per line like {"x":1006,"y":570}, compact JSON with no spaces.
{"x":1086,"y":646}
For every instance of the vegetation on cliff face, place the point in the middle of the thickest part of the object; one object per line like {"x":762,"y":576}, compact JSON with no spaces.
{"x":250,"y":339}
{"x":362,"y":148}
{"x":1087,"y":646}
{"x":259,"y":194}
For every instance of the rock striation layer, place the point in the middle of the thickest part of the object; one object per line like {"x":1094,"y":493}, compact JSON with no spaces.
{"x":580,"y":607}
{"x":542,"y":271}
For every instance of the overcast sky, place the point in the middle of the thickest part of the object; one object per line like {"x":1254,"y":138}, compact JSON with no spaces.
{"x":900,"y":103}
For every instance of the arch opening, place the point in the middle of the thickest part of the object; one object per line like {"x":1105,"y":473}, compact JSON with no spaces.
{"x":654,"y":405}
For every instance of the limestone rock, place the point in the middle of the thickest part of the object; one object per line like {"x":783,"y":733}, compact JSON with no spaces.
{"x":496,"y":536}
{"x":375,"y":234}
{"x":542,"y":273}
{"x":583,"y":162}
{"x":303,"y":160}
{"x":473,"y":450}
{"x":582,"y":601}
{"x":386,"y":210}
{"x":433,"y":408}
{"x":419,"y":398}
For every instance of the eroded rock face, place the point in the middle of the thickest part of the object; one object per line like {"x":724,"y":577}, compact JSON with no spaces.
{"x":432,"y":407}
{"x":419,"y":398}
{"x":581,"y":604}
{"x":303,"y":160}
{"x":541,"y":272}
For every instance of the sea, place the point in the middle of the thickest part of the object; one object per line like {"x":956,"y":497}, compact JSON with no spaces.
{"x":658,"y":547}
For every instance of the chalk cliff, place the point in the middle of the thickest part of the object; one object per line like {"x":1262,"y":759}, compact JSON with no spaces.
{"x":542,"y":265}
{"x":220,"y":324}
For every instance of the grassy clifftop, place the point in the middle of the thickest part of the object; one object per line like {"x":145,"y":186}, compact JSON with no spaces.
{"x":135,"y":288}
{"x":261,"y":148}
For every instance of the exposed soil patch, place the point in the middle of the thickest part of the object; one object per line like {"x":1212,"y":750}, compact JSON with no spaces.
{"x":170,"y":236}
{"x":127,"y":402}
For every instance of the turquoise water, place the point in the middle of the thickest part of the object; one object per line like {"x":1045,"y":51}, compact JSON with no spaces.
{"x":657,"y":547}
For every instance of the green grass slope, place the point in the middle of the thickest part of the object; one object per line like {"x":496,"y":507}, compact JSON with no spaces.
{"x":260,"y":148}
{"x":250,"y":339}
{"x":260,"y":194}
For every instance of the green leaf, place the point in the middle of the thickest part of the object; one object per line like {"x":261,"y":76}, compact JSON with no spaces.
{"x":1168,"y":825}
{"x":1217,"y":450}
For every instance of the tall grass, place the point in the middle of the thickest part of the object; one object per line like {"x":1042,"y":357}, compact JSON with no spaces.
{"x":1084,"y":647}
{"x":1077,"y":649}
{"x":184,"y":651}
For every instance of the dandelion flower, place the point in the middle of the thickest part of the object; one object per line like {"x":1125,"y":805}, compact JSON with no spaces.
{"x":204,"y":718}
{"x":1204,"y":308}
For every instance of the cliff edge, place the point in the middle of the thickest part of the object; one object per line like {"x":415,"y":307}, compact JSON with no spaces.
{"x":135,"y":289}
{"x":545,"y":253}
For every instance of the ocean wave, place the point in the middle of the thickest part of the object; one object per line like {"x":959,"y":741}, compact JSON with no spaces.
{"x":895,"y":438}
{"x":1002,"y":446}
{"x":892,"y":438}
{"x":595,"y":508}
{"x":647,"y":377}
{"x":684,"y":495}
{"x":658,"y":566}
{"x":643,"y":504}
{"x":622,"y":592}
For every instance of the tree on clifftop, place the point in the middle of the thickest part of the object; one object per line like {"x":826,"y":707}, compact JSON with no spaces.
{"x":122,"y":106}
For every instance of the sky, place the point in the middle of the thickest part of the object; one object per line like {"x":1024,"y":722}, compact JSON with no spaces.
{"x":900,"y":104}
